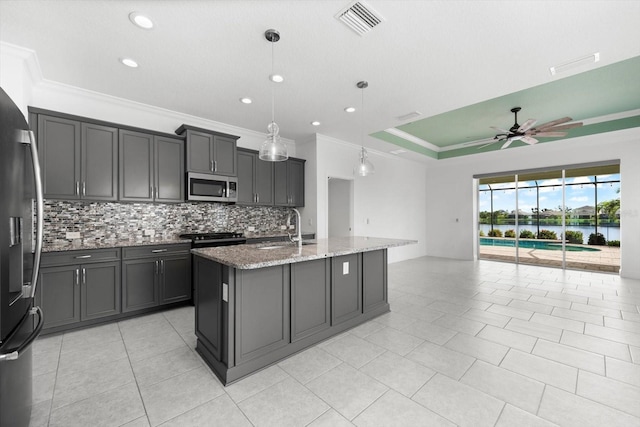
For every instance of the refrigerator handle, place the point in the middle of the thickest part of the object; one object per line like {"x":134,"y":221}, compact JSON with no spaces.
{"x":30,"y":292}
{"x":15,"y":353}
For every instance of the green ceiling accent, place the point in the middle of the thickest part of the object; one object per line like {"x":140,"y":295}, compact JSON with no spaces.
{"x":611,"y":89}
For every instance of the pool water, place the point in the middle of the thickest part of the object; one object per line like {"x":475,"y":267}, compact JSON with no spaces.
{"x":535,"y":244}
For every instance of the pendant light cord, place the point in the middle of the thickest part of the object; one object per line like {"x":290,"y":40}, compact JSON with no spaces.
{"x":273,"y":90}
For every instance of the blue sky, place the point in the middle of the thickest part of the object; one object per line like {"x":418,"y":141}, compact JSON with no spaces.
{"x":550,"y":197}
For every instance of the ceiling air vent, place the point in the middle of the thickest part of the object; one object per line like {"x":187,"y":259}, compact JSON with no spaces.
{"x":360,"y":17}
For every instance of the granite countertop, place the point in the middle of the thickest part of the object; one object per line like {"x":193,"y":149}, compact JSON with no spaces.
{"x":247,"y":257}
{"x":80,"y":244}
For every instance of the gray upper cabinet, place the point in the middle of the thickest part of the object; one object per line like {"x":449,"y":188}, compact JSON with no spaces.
{"x":289,"y":182}
{"x":151,"y":168}
{"x":209,"y":152}
{"x":79,"y":160}
{"x":255,"y":179}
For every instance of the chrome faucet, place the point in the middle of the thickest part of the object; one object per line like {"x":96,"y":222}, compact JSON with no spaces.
{"x":298,"y":238}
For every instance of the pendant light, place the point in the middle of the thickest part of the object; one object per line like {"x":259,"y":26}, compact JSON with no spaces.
{"x":273,"y":149}
{"x":364,"y":167}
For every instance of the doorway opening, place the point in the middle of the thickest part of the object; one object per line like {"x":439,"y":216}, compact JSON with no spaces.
{"x":340,"y":212}
{"x":566,"y":217}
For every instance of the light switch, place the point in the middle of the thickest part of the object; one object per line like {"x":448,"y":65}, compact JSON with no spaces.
{"x":345,"y":268}
{"x":225,"y":292}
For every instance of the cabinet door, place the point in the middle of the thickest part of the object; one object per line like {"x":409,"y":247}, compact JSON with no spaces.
{"x":208,"y":279}
{"x":59,"y":295}
{"x":264,"y":181}
{"x":199,"y":152}
{"x":224,"y":156}
{"x":374,"y":279}
{"x":99,"y":150}
{"x":140,"y":284}
{"x":59,"y":146}
{"x":262,"y":311}
{"x":246,"y":166}
{"x":100,"y":291}
{"x":169,"y":170}
{"x":295,"y":182}
{"x":310,"y":298}
{"x":175,"y":278}
{"x":280,"y":180}
{"x":346,"y":294}
{"x":136,"y":166}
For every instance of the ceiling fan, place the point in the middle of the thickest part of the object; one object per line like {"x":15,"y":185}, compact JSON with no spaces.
{"x":526,"y":131}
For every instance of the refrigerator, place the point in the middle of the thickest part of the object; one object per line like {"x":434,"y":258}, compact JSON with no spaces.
{"x":21,"y":208}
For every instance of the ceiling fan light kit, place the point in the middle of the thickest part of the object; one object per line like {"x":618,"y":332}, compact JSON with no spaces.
{"x":527,"y":131}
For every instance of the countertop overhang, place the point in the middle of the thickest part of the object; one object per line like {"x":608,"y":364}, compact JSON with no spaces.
{"x":252,"y":256}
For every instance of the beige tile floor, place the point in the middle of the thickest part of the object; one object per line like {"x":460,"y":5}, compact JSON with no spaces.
{"x":466,"y":343}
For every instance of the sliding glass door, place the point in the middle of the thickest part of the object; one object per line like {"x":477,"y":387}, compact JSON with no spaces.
{"x":566,"y":217}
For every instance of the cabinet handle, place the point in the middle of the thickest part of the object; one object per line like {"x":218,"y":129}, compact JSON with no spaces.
{"x":215,"y":166}
{"x":83,"y":256}
{"x":77,"y":188}
{"x":156,"y":267}
{"x":211,"y":165}
{"x":162,"y":266}
{"x":84,"y":276}
{"x":257,"y":198}
{"x":157,"y":251}
{"x":84,"y":188}
{"x":77,"y":277}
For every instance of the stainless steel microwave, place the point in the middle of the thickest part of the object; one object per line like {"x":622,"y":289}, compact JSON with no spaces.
{"x":212,"y":188}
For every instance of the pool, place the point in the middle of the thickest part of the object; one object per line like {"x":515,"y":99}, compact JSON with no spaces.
{"x":535,"y":244}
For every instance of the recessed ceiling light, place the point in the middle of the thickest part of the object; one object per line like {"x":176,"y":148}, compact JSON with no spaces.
{"x":129,"y":62}
{"x":350,"y":109}
{"x":315,"y":123}
{"x":276,"y":78}
{"x":141,"y":20}
{"x":246,"y":100}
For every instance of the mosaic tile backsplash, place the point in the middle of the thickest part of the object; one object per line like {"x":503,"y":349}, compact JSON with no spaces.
{"x":128,"y":221}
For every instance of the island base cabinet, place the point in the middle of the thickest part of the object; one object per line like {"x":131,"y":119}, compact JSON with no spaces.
{"x":249,"y":319}
{"x":262,"y":311}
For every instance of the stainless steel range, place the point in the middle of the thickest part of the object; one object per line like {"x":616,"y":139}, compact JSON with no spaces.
{"x":208,"y":240}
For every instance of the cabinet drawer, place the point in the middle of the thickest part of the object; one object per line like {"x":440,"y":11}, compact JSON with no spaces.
{"x":154,"y":251}
{"x":80,"y":257}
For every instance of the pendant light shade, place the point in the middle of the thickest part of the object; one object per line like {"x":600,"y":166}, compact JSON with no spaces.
{"x":273,"y":149}
{"x":365,"y":167}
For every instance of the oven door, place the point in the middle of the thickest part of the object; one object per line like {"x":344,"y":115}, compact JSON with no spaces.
{"x":209,"y":188}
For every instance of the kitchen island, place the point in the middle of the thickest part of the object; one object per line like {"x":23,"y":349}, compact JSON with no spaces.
{"x":257,"y":304}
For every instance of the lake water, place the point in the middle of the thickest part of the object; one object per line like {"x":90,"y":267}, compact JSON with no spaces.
{"x":609,"y":233}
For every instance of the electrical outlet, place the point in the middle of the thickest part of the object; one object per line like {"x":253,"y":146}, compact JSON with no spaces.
{"x":72,"y":235}
{"x":345,"y":268}
{"x":310,"y":221}
{"x":149,"y":233}
{"x":251,"y":229}
{"x":283,"y":227}
{"x":291,"y":227}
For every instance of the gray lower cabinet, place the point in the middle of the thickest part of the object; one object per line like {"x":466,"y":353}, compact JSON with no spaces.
{"x":310,"y":298}
{"x":255,"y":179}
{"x":346,"y":288}
{"x":374,"y":280}
{"x":262,"y":305}
{"x":151,"y":167}
{"x":209,"y":302}
{"x":154,"y":275}
{"x":79,"y":160}
{"x":289,"y":182}
{"x":79,"y":285}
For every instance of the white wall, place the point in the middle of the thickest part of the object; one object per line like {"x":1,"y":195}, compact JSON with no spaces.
{"x":392,"y":199}
{"x":450,"y":190}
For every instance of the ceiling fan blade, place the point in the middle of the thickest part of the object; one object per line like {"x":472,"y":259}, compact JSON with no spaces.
{"x":506,"y":132}
{"x":529,"y":140}
{"x":506,"y":144}
{"x":554,"y":122}
{"x":561,"y":127}
{"x":546,"y":134}
{"x":527,"y":125}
